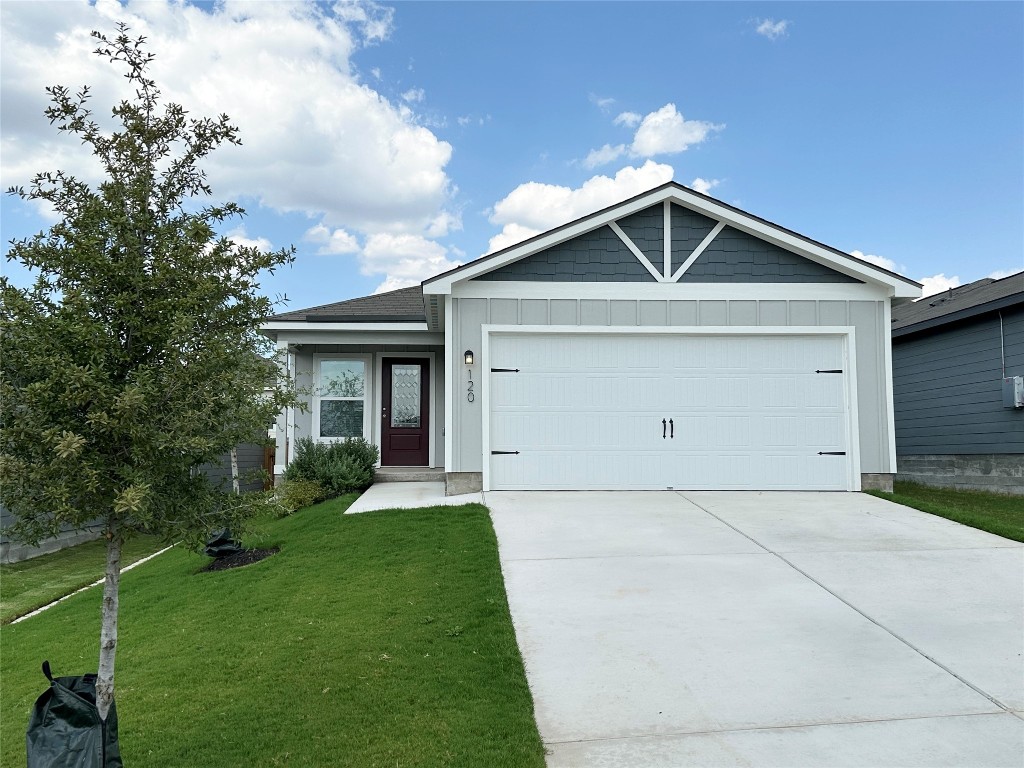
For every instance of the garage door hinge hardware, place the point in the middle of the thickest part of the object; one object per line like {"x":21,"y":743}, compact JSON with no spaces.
{"x":503,"y":453}
{"x":831,"y":453}
{"x":833,"y":370}
{"x":504,"y":370}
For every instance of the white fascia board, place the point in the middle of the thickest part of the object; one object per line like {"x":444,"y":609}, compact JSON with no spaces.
{"x":795,"y":244}
{"x":302,"y":325}
{"x":314,"y":336}
{"x":671,"y":291}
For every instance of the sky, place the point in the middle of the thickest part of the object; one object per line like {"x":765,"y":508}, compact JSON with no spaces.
{"x":391,"y":142}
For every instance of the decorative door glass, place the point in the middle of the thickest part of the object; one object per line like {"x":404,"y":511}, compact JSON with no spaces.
{"x":405,"y":395}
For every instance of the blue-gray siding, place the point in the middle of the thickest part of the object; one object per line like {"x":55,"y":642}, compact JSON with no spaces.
{"x":732,"y":257}
{"x":646,"y":229}
{"x":596,"y":257}
{"x":736,"y":257}
{"x":947,"y":388}
{"x":689,"y":229}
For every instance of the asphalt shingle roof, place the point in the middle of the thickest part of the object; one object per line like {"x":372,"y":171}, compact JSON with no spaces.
{"x":958,"y":303}
{"x":404,"y":305}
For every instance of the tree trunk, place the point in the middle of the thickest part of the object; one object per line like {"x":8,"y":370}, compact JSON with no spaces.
{"x":108,"y":627}
{"x":234,"y":470}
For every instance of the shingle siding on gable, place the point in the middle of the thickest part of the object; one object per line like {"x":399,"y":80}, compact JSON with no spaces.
{"x":689,"y":229}
{"x":646,"y":229}
{"x":736,"y":257}
{"x":596,"y":257}
{"x":947,"y":388}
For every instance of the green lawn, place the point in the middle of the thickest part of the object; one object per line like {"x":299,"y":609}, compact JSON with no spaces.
{"x":30,"y":584}
{"x":380,"y":639}
{"x":993,"y":512}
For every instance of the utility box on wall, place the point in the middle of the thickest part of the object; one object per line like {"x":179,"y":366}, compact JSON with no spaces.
{"x":1013,"y":392}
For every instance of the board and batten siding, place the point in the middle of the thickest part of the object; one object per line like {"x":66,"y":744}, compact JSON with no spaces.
{"x":947,"y":388}
{"x":866,"y":316}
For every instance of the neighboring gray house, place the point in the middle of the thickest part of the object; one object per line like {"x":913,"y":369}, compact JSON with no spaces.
{"x":668,"y":341}
{"x":950,"y":355}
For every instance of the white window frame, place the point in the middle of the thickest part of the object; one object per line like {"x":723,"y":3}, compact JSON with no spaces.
{"x":368,"y":388}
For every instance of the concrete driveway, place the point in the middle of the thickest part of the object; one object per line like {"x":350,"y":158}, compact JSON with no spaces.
{"x":763,"y":629}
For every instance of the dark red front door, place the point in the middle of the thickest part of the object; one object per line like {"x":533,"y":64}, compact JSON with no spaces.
{"x":405,"y":428}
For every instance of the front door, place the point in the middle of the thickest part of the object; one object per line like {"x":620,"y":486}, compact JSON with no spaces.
{"x":405,"y":428}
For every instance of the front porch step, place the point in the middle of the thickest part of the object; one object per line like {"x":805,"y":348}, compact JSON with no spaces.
{"x":408,"y":475}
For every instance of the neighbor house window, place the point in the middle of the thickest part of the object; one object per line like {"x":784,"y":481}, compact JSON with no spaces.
{"x":341,"y":398}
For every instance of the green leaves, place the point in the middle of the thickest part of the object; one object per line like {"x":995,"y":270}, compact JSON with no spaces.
{"x":136,"y":355}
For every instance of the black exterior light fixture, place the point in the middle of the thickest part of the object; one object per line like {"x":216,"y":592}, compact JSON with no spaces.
{"x":469,"y":356}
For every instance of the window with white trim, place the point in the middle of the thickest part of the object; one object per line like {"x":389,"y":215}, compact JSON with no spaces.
{"x":341,"y":398}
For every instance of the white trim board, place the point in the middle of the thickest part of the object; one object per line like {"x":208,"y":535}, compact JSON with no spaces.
{"x":669,"y":291}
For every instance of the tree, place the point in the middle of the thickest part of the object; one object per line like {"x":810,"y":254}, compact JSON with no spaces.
{"x":135,"y":356}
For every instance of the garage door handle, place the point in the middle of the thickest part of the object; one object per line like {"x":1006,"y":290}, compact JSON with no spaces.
{"x":662,"y":429}
{"x":671,"y":429}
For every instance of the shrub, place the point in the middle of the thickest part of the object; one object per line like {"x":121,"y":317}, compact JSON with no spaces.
{"x":340,"y":467}
{"x":293,"y":495}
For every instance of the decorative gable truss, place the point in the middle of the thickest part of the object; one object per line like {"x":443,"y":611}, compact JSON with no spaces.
{"x":666,"y":243}
{"x":672,"y":234}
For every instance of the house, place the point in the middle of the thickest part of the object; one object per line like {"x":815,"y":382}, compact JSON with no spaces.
{"x":958,"y":362}
{"x":668,"y":341}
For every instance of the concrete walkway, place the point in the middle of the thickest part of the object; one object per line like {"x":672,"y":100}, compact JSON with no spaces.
{"x":408,"y":495}
{"x":763,"y":629}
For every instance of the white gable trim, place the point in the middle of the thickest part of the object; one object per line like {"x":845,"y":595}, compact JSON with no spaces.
{"x":896,"y":286}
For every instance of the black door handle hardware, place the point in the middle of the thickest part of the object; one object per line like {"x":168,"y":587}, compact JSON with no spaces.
{"x":833,"y":370}
{"x":662,"y":429}
{"x":671,"y":429}
{"x":831,"y":453}
{"x":504,"y":370}
{"x":504,"y":453}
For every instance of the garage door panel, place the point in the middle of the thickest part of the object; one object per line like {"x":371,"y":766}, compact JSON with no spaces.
{"x":586,"y":410}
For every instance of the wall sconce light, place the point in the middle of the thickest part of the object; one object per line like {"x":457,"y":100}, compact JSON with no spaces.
{"x":469,"y":357}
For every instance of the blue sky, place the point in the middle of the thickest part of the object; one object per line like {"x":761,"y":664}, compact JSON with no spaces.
{"x":391,"y":142}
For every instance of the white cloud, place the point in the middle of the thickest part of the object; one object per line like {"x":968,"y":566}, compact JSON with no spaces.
{"x":771,"y":28}
{"x":601,"y":102}
{"x":404,"y":259}
{"x":376,"y":72}
{"x":999,"y":274}
{"x":937,"y":284}
{"x":880,"y":261}
{"x":662,"y":132}
{"x":628,"y":119}
{"x":283,"y":74}
{"x":604,"y":155}
{"x":666,"y":131}
{"x":533,"y":207}
{"x":332,"y":243}
{"x":464,"y":120}
{"x":239,"y":236}
{"x":704,"y":185}
{"x":414,"y":94}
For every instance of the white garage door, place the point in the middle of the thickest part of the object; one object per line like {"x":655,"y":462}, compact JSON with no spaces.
{"x":625,"y":411}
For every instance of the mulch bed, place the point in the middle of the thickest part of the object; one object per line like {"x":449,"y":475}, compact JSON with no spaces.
{"x":246,"y":557}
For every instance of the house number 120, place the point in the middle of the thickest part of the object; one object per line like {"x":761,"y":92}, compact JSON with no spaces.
{"x":470,"y":395}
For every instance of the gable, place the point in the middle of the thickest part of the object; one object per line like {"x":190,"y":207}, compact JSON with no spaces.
{"x":597,"y":256}
{"x":701,"y":250}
